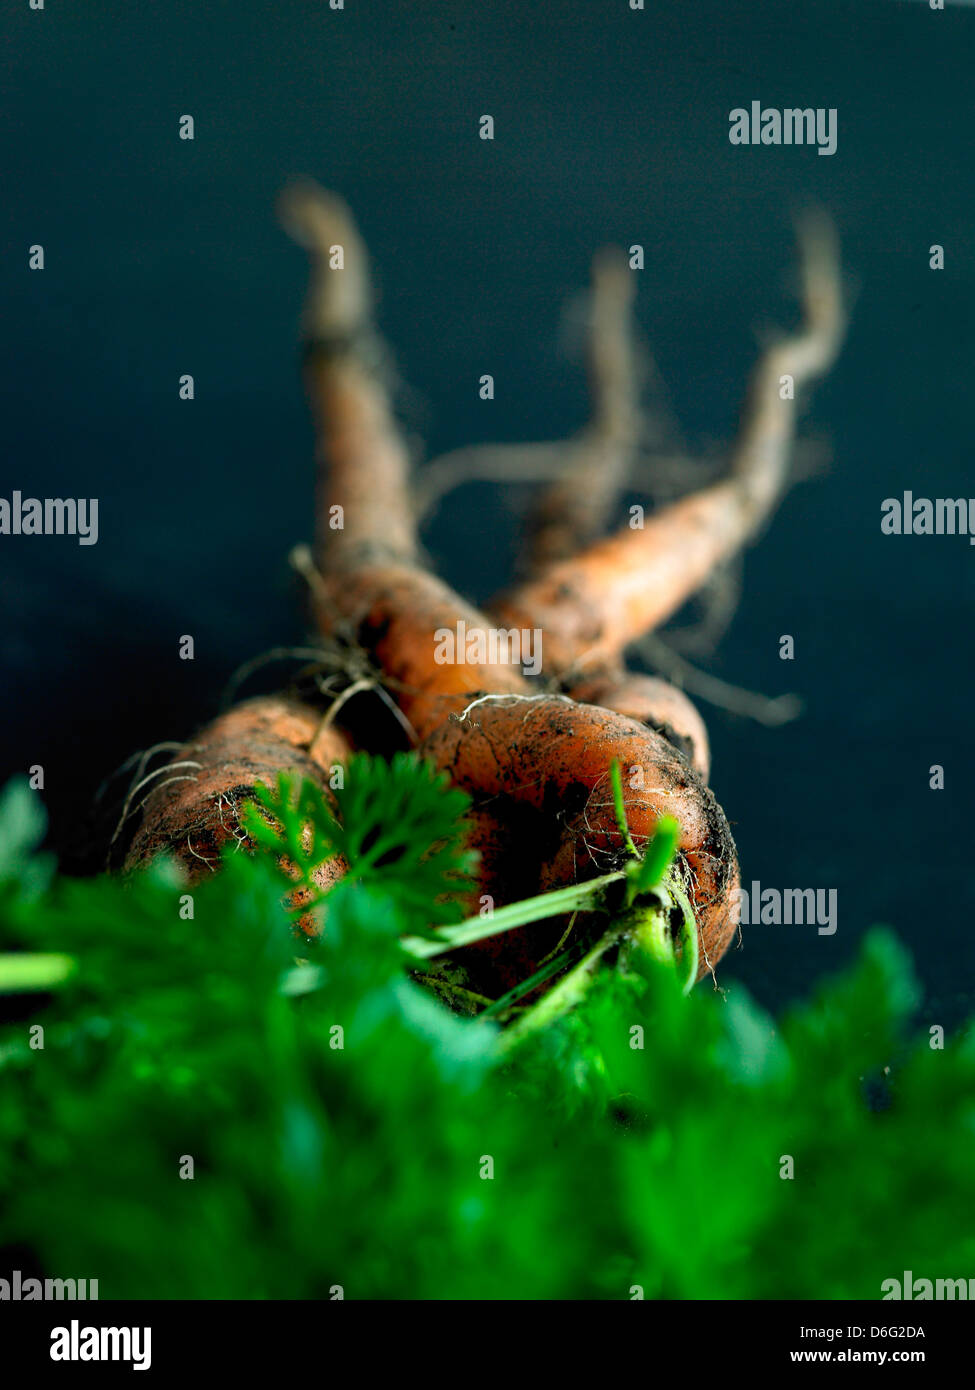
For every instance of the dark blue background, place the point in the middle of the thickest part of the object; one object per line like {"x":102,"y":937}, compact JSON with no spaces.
{"x":163,"y":257}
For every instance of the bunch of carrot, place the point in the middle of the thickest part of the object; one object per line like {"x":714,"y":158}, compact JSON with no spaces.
{"x":534,"y":755}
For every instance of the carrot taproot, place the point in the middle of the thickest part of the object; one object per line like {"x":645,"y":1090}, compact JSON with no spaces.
{"x":576,"y":506}
{"x":194,"y":808}
{"x":373,"y":584}
{"x":541,"y":756}
{"x":593,"y":604}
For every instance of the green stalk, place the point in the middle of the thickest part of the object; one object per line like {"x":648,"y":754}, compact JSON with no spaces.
{"x":651,"y":894}
{"x":564,"y":997}
{"x":653,"y":933}
{"x":24,"y":972}
{"x":544,"y":972}
{"x":585,"y":897}
{"x":649,"y":924}
{"x":616,"y":782}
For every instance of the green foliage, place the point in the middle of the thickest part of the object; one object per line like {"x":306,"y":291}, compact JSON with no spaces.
{"x":643,"y":872}
{"x":399,"y":827}
{"x":346,"y":1129}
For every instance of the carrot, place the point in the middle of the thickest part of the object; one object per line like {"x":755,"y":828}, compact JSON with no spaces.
{"x":539,"y":760}
{"x":654,"y":702}
{"x":576,"y":507}
{"x":587,"y":471}
{"x":373,"y":585}
{"x":194,"y":809}
{"x":552,"y":756}
{"x":537,"y":765}
{"x":592,"y":605}
{"x":363,"y":467}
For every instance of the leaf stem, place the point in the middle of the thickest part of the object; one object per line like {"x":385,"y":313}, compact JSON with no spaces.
{"x":22,"y":972}
{"x":586,"y":897}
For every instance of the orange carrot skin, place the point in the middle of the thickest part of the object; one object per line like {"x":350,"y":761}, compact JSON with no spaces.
{"x":554,"y":756}
{"x":393,"y":612}
{"x":594,"y":604}
{"x":363,"y":463}
{"x":654,"y":702}
{"x":193,"y":820}
{"x":548,"y":754}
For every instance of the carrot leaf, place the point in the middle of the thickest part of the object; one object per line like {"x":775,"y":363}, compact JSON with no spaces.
{"x":344,"y":1123}
{"x":397,"y":824}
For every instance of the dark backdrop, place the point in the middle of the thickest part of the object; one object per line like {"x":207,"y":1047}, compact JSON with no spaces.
{"x":163,"y":257}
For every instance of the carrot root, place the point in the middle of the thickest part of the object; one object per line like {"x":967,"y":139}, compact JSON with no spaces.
{"x":193,"y":817}
{"x":553,"y":756}
{"x":592,"y":605}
